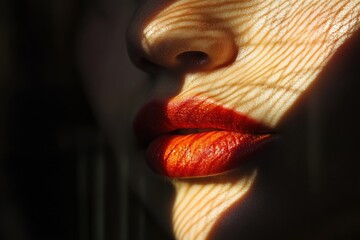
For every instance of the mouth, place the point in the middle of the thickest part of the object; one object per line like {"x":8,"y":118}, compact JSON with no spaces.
{"x":196,"y":138}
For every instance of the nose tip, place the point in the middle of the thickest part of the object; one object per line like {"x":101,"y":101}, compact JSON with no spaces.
{"x":189,"y":43}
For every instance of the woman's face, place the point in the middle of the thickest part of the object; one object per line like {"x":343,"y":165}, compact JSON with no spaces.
{"x":254,"y":57}
{"x":239,"y":67}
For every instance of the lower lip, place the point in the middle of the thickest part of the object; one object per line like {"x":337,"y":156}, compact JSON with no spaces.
{"x":201,"y":154}
{"x":212,"y":139}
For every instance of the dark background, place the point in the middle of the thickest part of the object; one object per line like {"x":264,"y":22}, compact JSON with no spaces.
{"x":48,"y":134}
{"x":53,"y":180}
{"x":58,"y":177}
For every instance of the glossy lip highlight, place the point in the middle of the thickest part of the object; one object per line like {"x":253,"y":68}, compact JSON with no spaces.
{"x":196,"y":138}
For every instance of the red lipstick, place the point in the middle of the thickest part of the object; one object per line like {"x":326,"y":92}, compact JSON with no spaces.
{"x":196,"y":138}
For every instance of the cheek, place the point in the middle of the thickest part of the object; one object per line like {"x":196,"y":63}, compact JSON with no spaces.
{"x":282,"y":50}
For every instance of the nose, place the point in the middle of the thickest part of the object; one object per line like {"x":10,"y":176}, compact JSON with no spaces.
{"x":179,"y":38}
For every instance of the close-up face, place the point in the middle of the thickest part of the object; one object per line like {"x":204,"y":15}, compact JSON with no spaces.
{"x":233,"y":118}
{"x":254,"y":57}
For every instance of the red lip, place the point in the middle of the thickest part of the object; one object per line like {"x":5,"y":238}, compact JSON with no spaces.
{"x":195,"y":138}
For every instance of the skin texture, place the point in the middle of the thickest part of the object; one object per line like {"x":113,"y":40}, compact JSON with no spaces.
{"x":270,"y":60}
{"x":261,"y":55}
{"x":257,"y":58}
{"x":198,"y":205}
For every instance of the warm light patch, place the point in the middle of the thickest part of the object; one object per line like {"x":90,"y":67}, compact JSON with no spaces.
{"x":280,"y":46}
{"x":199,"y":206}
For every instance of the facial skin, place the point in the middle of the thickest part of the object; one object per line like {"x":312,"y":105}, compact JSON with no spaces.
{"x":254,"y":57}
{"x":259,"y":58}
{"x":260,"y":55}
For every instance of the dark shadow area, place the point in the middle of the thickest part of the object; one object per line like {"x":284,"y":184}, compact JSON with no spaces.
{"x":314,"y":194}
{"x":44,"y":116}
{"x":58,"y":176}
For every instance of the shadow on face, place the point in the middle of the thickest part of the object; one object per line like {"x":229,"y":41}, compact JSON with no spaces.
{"x":309,"y":188}
{"x":254,"y":63}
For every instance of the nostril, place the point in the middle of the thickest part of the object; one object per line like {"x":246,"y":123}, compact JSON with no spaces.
{"x":172,"y":48}
{"x":189,"y":60}
{"x":193,"y":59}
{"x":179,"y":38}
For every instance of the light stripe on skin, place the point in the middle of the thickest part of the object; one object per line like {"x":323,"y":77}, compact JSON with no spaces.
{"x":278,"y":46}
{"x":282,"y":47}
{"x":199,"y":206}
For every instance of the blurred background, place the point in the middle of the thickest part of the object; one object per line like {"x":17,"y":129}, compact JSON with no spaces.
{"x":44,"y":122}
{"x":58,"y":179}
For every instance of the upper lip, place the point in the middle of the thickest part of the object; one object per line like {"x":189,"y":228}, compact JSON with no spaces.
{"x":160,"y":117}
